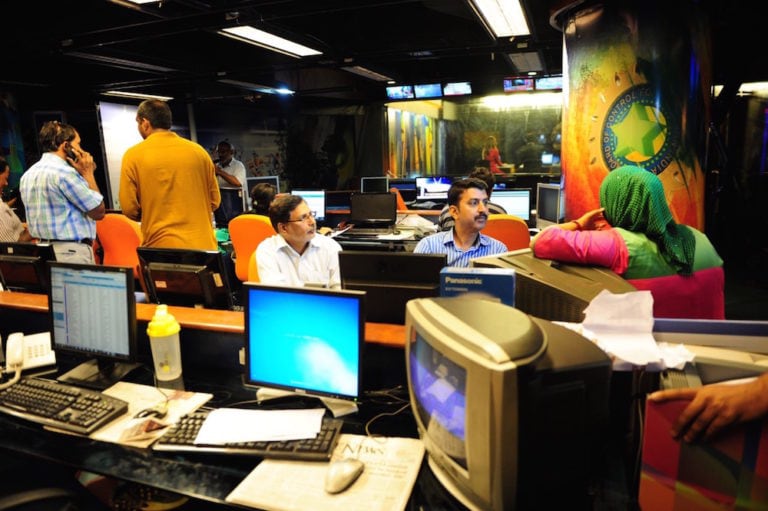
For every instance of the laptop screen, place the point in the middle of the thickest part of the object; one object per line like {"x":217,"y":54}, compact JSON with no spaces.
{"x":373,"y":208}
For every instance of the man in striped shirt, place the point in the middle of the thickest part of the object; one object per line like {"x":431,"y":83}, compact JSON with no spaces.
{"x":468,"y":205}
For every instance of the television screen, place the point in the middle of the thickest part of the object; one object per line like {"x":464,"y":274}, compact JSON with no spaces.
{"x":435,"y":187}
{"x":400,"y":92}
{"x":457,"y":89}
{"x":428,"y":90}
{"x":515,"y":201}
{"x":509,"y":406}
{"x":313,"y":356}
{"x":549,"y":83}
{"x":518,"y":84}
{"x":315,"y":199}
{"x":23,"y":266}
{"x":92,"y":310}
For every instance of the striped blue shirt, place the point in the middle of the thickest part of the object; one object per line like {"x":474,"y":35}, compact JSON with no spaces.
{"x":57,"y":201}
{"x":442,"y":243}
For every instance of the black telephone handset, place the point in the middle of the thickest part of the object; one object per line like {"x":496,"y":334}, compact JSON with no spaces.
{"x":70,"y":152}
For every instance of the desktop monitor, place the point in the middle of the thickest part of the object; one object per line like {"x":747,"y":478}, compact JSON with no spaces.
{"x":434,"y":187}
{"x":550,"y":204}
{"x":406,"y":187}
{"x":400,"y":92}
{"x":187,"y":277}
{"x":254,"y":180}
{"x":315,"y":199}
{"x":549,"y":83}
{"x":318,"y":353}
{"x":457,"y":89}
{"x":92,"y":312}
{"x":428,"y":90}
{"x":373,"y":209}
{"x":515,"y":201}
{"x":376,"y":184}
{"x":23,"y":266}
{"x":518,"y":84}
{"x":512,"y":409}
{"x":552,"y":290}
{"x":390,"y":279}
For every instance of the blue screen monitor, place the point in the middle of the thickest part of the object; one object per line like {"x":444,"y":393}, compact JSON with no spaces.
{"x":457,"y":89}
{"x":315,"y":199}
{"x":428,"y":90}
{"x":400,"y":92}
{"x":310,"y":355}
{"x":435,"y":187}
{"x":518,"y":84}
{"x":515,"y":201}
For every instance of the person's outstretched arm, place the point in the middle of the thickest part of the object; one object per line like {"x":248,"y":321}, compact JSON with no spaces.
{"x":713,"y":407}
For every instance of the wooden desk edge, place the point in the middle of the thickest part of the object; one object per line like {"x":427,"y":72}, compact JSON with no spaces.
{"x":201,"y":319}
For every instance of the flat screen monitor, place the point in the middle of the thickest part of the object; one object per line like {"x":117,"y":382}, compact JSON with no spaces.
{"x":23,"y":266}
{"x":549,"y":83}
{"x":552,"y":290}
{"x":515,"y":201}
{"x":428,"y":90}
{"x":373,"y":209}
{"x":315,"y":199}
{"x":92,"y":312}
{"x":518,"y":84}
{"x":550,"y":204}
{"x":374,"y":184}
{"x":390,"y":279}
{"x":400,"y":92}
{"x":434,"y":187}
{"x":457,"y":89}
{"x":407,"y":188}
{"x":254,"y":180}
{"x":337,"y":200}
{"x":191,"y":278}
{"x":319,"y":355}
{"x":512,"y":409}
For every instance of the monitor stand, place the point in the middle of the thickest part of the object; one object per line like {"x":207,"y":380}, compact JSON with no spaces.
{"x":96,"y":374}
{"x":338,"y":407}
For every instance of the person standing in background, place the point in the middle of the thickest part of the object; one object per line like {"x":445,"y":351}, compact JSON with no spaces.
{"x":230,"y":173}
{"x":61,"y":196}
{"x":11,"y":226}
{"x":492,"y":156}
{"x":169,"y":184}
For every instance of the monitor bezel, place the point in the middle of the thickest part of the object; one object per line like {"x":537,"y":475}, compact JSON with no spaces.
{"x":496,"y":193}
{"x":319,"y":215}
{"x":380,"y":184}
{"x":547,"y":188}
{"x":35,"y":255}
{"x":356,"y":200}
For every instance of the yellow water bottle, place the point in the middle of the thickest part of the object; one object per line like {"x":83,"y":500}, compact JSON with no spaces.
{"x":163,"y":331}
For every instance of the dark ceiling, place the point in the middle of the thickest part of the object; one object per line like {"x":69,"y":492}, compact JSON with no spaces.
{"x":172,"y":48}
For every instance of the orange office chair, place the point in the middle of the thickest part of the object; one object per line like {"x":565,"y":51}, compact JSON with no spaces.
{"x":508,"y":229}
{"x":119,"y":236}
{"x":246,"y":232}
{"x":401,"y":205}
{"x":253,"y":268}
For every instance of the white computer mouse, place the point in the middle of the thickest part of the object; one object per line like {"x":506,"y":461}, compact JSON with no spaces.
{"x":342,"y":473}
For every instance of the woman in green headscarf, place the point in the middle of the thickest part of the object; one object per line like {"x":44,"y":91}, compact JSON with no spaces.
{"x":634,"y":234}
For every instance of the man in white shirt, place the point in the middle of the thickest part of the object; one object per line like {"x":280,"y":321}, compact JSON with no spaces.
{"x":230,"y":173}
{"x":296,"y":255}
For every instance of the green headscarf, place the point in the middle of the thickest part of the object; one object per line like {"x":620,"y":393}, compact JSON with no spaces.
{"x":634,"y":200}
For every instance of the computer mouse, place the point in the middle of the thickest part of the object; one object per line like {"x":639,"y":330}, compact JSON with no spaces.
{"x":342,"y":473}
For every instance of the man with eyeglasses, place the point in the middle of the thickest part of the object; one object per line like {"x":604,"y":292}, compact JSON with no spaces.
{"x":296,"y":255}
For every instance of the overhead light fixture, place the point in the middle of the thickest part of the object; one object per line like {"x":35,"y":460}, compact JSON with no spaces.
{"x":142,"y":2}
{"x":503,"y":18}
{"x":526,"y":62}
{"x":367,"y":73}
{"x":118,"y":62}
{"x":135,"y":95}
{"x":255,"y":87}
{"x":252,"y":35}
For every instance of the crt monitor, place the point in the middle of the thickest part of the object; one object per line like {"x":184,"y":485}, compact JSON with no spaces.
{"x":92,"y":312}
{"x":515,"y":201}
{"x":315,"y":199}
{"x":390,"y":279}
{"x":552,"y":290}
{"x":23,"y":266}
{"x":513,"y":409}
{"x":187,"y":277}
{"x":254,"y":180}
{"x":550,"y":204}
{"x":318,"y":355}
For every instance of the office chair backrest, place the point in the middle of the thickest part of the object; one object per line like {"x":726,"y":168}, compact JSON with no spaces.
{"x":253,"y":268}
{"x":401,"y":205}
{"x":246,"y":232}
{"x":508,"y":229}
{"x":119,"y":237}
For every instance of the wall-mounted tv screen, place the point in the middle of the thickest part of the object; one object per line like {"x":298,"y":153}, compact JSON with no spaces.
{"x":549,"y":83}
{"x":400,"y":92}
{"x":428,"y":90}
{"x":518,"y":84}
{"x":457,"y":89}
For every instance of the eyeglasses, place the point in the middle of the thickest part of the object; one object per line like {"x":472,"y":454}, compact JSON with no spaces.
{"x":304,"y":217}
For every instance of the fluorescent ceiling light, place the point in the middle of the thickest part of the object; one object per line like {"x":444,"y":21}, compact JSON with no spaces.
{"x":504,"y":18}
{"x":135,"y":95}
{"x":252,"y":35}
{"x":749,"y":88}
{"x":142,"y":2}
{"x":264,"y":89}
{"x":367,"y":73}
{"x":526,"y":61}
{"x":130,"y":64}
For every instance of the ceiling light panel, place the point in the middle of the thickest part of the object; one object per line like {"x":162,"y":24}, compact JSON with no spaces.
{"x":505,"y":18}
{"x":252,"y":35}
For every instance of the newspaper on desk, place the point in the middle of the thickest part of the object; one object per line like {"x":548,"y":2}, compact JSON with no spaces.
{"x":622,"y":326}
{"x":391,"y":467}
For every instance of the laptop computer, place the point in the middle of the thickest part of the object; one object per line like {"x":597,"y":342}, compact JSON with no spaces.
{"x":372,"y":214}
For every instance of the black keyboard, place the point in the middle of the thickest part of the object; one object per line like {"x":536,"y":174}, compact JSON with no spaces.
{"x":181,"y":437}
{"x":61,"y":406}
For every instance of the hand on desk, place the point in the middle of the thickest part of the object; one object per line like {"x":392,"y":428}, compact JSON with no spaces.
{"x":325,"y":231}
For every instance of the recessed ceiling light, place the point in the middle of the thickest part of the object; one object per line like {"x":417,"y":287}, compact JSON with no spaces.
{"x":504,"y":18}
{"x":253,"y":35}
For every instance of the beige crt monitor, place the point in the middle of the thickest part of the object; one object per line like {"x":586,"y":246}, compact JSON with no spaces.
{"x":551,"y":290}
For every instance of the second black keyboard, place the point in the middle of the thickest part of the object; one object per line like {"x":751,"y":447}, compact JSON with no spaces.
{"x":61,"y":406}
{"x":181,"y":437}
